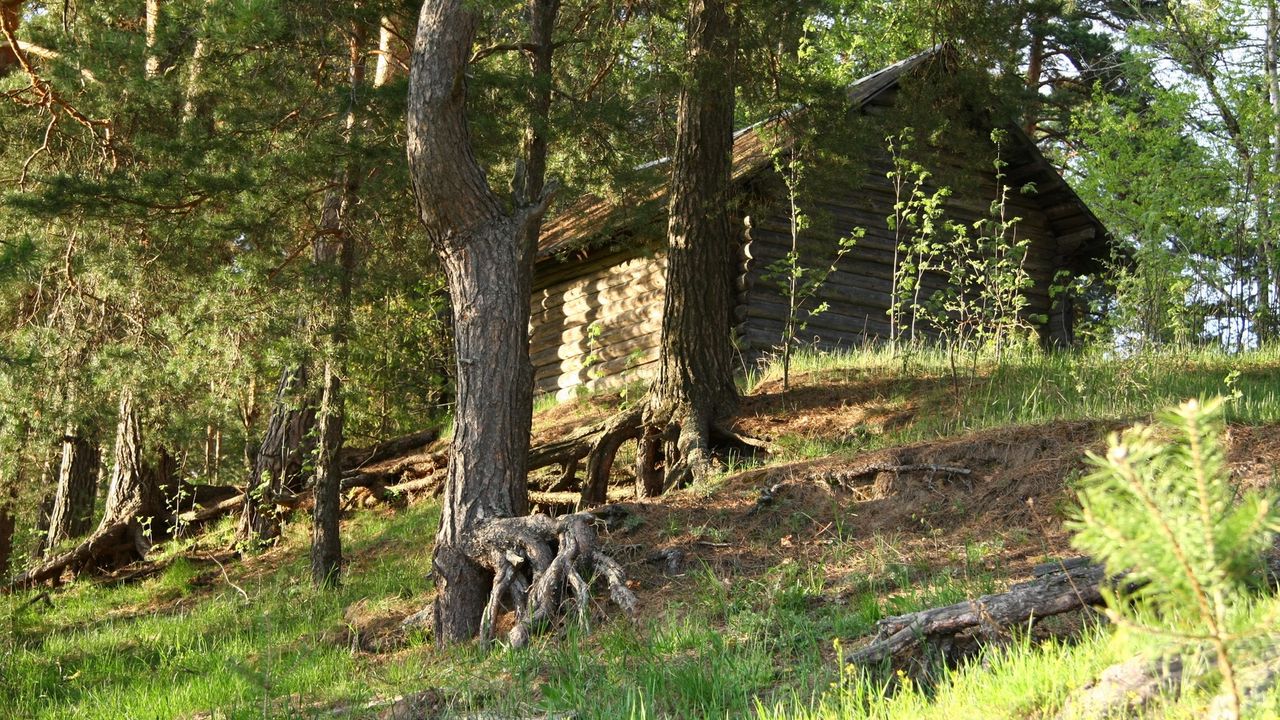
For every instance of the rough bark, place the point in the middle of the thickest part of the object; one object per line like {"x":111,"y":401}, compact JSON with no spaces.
{"x":485,"y":254}
{"x":73,"y":504}
{"x":1059,"y":587}
{"x":539,"y":563}
{"x":695,"y":386}
{"x":133,"y":500}
{"x":8,"y":522}
{"x":1053,"y":594}
{"x":277,"y":466}
{"x":480,"y":246}
{"x":326,"y":542}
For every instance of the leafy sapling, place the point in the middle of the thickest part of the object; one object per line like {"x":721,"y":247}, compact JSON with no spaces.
{"x":798,"y":282}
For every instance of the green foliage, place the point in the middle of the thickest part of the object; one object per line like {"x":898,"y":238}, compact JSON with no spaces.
{"x":1162,"y":515}
{"x":916,"y":224}
{"x":795,"y":280}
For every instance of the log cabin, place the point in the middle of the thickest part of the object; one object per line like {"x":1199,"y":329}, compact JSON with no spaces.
{"x":598,"y":286}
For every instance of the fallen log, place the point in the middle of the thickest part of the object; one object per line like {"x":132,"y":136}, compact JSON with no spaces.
{"x":1059,"y":587}
{"x":207,"y":495}
{"x":355,"y":458}
{"x":1052,"y":594}
{"x":196,"y":517}
{"x":106,"y":541}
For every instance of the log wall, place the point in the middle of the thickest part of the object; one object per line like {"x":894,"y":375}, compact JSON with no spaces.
{"x":596,"y":322}
{"x":858,"y":291}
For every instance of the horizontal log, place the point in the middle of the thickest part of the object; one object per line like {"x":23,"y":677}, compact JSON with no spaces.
{"x":582,"y":340}
{"x":759,"y":335}
{"x":196,"y":517}
{"x":550,"y":272}
{"x":820,"y":245}
{"x":643,"y":346}
{"x":1047,"y":596}
{"x":555,"y":381}
{"x":860,"y":271}
{"x":630,"y":273}
{"x":598,"y":307}
{"x":352,"y":458}
{"x":571,"y":384}
{"x":105,"y":541}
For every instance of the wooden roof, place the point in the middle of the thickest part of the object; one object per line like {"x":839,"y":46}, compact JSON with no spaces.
{"x":591,"y":220}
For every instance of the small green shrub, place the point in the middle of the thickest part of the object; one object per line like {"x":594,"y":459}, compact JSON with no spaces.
{"x":1163,"y":515}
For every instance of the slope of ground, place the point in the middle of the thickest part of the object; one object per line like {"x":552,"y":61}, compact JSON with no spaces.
{"x":746,"y":583}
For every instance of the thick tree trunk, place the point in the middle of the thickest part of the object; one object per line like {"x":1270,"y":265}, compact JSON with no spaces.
{"x":132,"y":497}
{"x":484,"y":252}
{"x":277,"y":466}
{"x":695,"y":373}
{"x":73,"y":505}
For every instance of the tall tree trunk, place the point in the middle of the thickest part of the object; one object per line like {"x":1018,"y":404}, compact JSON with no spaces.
{"x":392,"y":55}
{"x":153,"y":33}
{"x":8,"y":522}
{"x":278,"y":463}
{"x":72,"y":514}
{"x":336,"y":252}
{"x":132,"y":497}
{"x":48,"y":485}
{"x":326,"y":540}
{"x":484,"y":251}
{"x":1266,"y":324}
{"x":1035,"y":68}
{"x":695,"y":372}
{"x":193,"y":93}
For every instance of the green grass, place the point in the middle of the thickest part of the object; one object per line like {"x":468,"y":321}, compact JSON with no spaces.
{"x":1017,"y":679}
{"x":186,"y":640}
{"x":1027,"y":388}
{"x":259,"y":642}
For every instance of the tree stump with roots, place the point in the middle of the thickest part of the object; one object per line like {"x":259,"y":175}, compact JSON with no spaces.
{"x":541,"y":566}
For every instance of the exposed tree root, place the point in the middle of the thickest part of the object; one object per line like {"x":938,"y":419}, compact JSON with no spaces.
{"x":673,"y":449}
{"x":540,"y":566}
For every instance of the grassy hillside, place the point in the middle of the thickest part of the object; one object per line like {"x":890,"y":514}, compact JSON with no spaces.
{"x":744,"y":604}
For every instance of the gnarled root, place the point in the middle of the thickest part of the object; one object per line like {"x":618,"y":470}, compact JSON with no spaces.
{"x":674,"y":447}
{"x":541,"y":564}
